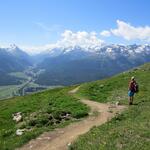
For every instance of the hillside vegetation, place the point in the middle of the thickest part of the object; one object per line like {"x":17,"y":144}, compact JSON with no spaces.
{"x":127,"y":131}
{"x":48,"y":110}
{"x":41,"y":112}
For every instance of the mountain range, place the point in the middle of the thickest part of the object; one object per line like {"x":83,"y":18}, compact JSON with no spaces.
{"x":72,"y":65}
{"x":12,"y":59}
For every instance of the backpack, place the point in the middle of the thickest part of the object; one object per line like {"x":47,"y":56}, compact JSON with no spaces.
{"x":136,"y":88}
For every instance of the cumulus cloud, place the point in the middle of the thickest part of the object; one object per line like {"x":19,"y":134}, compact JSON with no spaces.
{"x":92,"y":39}
{"x":81,"y":38}
{"x":130,"y":32}
{"x":70,"y":39}
{"x":105,"y":33}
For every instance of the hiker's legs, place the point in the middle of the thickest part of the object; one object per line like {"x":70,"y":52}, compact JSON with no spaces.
{"x":131,"y":99}
{"x":131,"y":95}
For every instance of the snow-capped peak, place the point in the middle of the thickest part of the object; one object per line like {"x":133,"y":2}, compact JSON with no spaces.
{"x":13,"y":46}
{"x":112,"y":50}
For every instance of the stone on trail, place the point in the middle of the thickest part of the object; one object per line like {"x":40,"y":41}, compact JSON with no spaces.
{"x":69,"y":144}
{"x":117,"y":103}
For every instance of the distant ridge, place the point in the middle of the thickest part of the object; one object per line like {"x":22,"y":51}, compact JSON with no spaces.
{"x":72,"y":65}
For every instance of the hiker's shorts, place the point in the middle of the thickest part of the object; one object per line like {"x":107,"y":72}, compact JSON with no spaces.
{"x":130,"y":93}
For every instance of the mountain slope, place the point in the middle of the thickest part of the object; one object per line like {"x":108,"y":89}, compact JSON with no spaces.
{"x":12,"y":59}
{"x":129,"y":130}
{"x":72,"y":65}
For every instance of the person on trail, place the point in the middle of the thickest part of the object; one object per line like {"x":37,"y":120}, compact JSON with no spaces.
{"x":133,"y":88}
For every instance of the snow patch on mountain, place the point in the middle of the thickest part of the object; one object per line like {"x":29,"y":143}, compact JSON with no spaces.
{"x":113,"y":50}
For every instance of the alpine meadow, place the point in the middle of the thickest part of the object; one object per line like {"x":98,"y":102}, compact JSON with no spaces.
{"x":75,"y":75}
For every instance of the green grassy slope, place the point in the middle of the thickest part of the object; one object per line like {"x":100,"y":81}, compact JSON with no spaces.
{"x":127,"y":131}
{"x":37,"y":110}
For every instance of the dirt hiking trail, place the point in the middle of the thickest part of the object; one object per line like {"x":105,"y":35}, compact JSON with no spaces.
{"x":61,"y":138}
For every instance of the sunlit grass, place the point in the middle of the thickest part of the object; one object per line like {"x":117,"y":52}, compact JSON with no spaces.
{"x":127,"y":131}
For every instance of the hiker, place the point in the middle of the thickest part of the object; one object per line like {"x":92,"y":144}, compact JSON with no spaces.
{"x":133,"y":88}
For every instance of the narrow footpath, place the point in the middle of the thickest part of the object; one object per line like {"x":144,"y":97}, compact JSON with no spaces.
{"x":61,"y":138}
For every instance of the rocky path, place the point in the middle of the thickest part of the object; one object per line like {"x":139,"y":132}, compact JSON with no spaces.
{"x":61,"y":138}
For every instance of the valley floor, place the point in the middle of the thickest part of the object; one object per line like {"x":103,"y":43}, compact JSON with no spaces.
{"x":27,"y":84}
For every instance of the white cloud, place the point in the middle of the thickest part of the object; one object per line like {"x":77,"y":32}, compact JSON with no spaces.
{"x":37,"y":49}
{"x":105,"y":33}
{"x":91,"y":39}
{"x":81,"y":38}
{"x":130,"y":32}
{"x":70,"y":39}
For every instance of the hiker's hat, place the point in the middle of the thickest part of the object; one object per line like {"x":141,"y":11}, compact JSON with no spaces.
{"x":132,"y":78}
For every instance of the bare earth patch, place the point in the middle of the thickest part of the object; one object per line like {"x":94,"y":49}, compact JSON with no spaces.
{"x":61,"y":138}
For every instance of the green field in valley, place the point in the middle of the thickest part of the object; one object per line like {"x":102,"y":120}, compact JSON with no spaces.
{"x":7,"y":91}
{"x":26,"y":82}
{"x":11,"y":90}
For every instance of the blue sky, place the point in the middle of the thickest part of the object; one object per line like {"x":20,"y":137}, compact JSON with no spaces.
{"x":41,"y":22}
